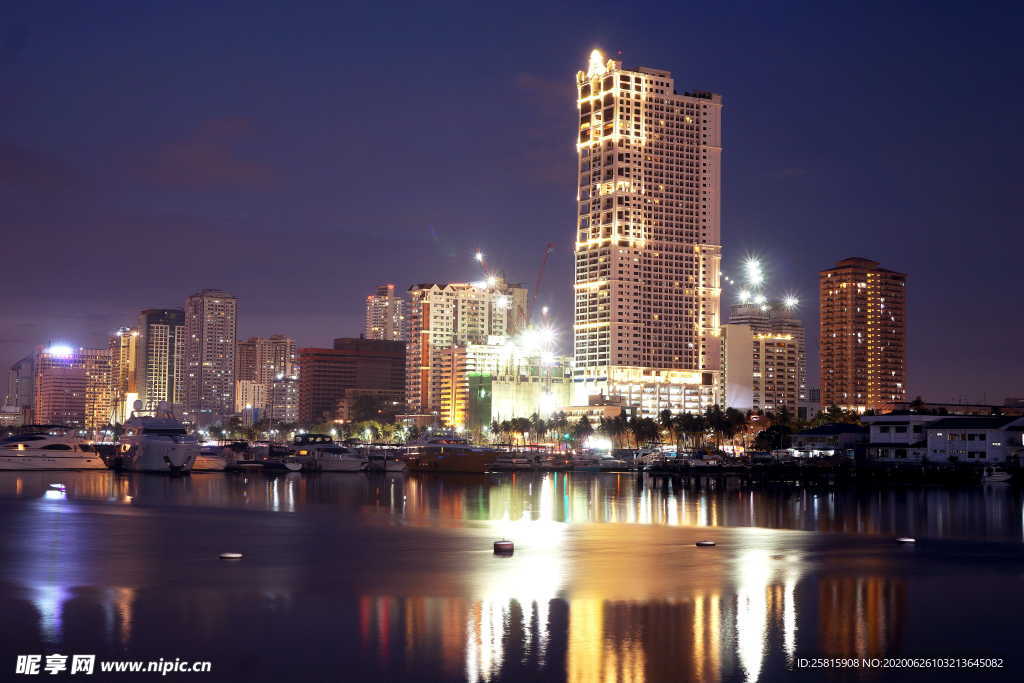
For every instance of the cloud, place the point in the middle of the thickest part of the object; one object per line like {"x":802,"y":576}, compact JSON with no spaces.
{"x":209,"y":158}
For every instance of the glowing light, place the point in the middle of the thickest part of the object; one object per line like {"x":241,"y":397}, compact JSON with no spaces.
{"x":760,"y":299}
{"x":479,"y":256}
{"x":744,"y":296}
{"x":753,"y":271}
{"x":480,"y":284}
{"x":598,"y":443}
{"x":60,"y":351}
{"x":491,"y":280}
{"x":537,"y":339}
{"x":501,"y":302}
{"x":544,"y":310}
{"x":596,"y":66}
{"x":791,"y":301}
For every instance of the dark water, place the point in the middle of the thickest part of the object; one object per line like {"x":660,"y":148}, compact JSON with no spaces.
{"x":356,"y":577}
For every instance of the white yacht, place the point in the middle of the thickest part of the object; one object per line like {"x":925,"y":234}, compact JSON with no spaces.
{"x":46,"y":451}
{"x":155,"y":443}
{"x":319,"y":453}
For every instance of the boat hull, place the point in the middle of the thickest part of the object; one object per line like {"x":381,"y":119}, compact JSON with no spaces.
{"x":23,"y":463}
{"x":210,"y":463}
{"x":451,"y":459}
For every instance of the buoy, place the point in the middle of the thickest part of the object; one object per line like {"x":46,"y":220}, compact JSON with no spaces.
{"x":906,"y":539}
{"x":705,"y":544}
{"x":504,"y":547}
{"x":231,"y":556}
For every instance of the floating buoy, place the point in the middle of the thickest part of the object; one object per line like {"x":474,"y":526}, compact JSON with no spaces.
{"x":705,"y":544}
{"x":231,"y":556}
{"x":906,"y":539}
{"x":504,"y":547}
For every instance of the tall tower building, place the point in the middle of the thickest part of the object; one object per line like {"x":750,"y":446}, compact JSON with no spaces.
{"x":160,"y":360}
{"x":442,"y":315}
{"x":385,"y":315}
{"x":124,"y":354}
{"x":648,"y":245}
{"x":863,"y":335}
{"x":210,"y":338}
{"x":99,"y":387}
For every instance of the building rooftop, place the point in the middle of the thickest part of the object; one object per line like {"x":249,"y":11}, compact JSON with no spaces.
{"x":834,"y":428}
{"x":973,"y":422}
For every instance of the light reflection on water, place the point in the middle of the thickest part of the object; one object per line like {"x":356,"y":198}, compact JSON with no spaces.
{"x":987,"y":512}
{"x":395,"y":574}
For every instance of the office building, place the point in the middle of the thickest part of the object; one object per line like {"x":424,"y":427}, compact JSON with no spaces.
{"x":160,"y":361}
{"x":60,"y":386}
{"x":327,"y":374}
{"x":283,"y":404}
{"x":442,"y":315}
{"x":211,"y":324}
{"x":862,"y":335}
{"x":385,"y":315}
{"x":648,"y":243}
{"x":500,"y":380}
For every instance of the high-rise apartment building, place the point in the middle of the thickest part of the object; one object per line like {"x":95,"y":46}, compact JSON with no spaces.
{"x":385,"y":315}
{"x":442,"y":315}
{"x":648,"y":246}
{"x":283,"y":404}
{"x":99,"y":387}
{"x":124,"y":354}
{"x":862,"y":335}
{"x":262,"y":359}
{"x":211,"y":326}
{"x":764,"y":365}
{"x":20,"y":384}
{"x":376,"y":366}
{"x":59,"y":386}
{"x":160,"y":360}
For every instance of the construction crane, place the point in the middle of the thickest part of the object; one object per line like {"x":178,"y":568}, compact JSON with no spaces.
{"x":540,"y":273}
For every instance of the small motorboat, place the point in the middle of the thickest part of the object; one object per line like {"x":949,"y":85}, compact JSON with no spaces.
{"x":996,"y":474}
{"x":45,"y":451}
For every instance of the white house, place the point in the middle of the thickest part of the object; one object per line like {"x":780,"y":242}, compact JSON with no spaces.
{"x":975,"y":439}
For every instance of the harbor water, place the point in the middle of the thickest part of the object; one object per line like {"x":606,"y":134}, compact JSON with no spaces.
{"x":393,"y":577}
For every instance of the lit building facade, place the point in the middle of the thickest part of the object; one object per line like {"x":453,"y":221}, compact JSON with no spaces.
{"x":648,"y":246}
{"x":760,"y":371}
{"x":442,"y":315}
{"x":160,"y":363}
{"x":99,"y":387}
{"x":328,"y":375}
{"x":500,"y":380}
{"x":385,"y":315}
{"x":862,"y":335}
{"x":260,"y":361}
{"x":211,"y":325}
{"x":60,"y":386}
{"x":124,"y":356}
{"x":283,"y":404}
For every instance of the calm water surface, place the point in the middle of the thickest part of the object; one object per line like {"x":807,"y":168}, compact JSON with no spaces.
{"x":357,"y":577}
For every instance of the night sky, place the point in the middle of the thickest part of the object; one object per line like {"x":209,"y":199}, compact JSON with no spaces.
{"x":298,"y":154}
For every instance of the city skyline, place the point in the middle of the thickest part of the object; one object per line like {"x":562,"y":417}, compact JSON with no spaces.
{"x":828,"y":224}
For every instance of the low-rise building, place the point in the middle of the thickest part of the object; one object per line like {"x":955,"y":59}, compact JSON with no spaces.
{"x":828,"y":440}
{"x":898,"y":438}
{"x":975,"y":439}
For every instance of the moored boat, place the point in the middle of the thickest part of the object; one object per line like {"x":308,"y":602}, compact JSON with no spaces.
{"x":155,"y":443}
{"x":45,"y":451}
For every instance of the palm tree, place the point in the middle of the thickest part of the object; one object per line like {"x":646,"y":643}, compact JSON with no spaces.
{"x":582,"y":430}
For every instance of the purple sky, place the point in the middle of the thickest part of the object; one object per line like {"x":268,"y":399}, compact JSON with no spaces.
{"x":298,"y":155}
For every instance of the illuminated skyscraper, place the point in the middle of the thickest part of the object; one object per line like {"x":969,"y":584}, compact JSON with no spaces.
{"x":863,"y":335}
{"x":647,"y":239}
{"x":124,"y":354}
{"x":160,"y":365}
{"x":385,"y":315}
{"x":210,"y":337}
{"x":259,"y":362}
{"x":442,"y":315}
{"x":99,"y":387}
